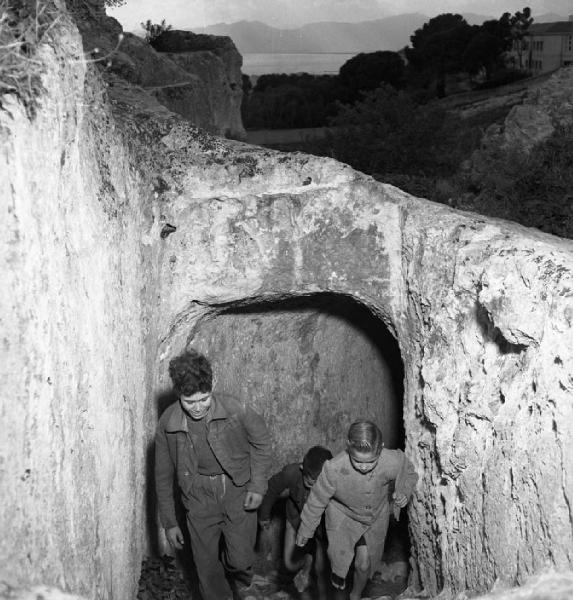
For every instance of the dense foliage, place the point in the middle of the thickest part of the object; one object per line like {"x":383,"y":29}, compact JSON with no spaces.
{"x":284,"y":101}
{"x":367,"y":71}
{"x":388,"y":132}
{"x":534,"y":189}
{"x":426,"y":151}
{"x":447,"y":45}
{"x":292,"y":101}
{"x":485,"y":50}
{"x":438,"y":48}
{"x":383,"y":123}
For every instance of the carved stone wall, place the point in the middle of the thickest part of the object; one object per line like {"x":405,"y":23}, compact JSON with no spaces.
{"x":127,"y":229}
{"x":75,"y":330}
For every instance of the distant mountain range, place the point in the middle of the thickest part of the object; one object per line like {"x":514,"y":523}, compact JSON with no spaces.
{"x":390,"y":33}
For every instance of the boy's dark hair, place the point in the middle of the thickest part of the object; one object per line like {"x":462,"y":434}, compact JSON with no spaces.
{"x":190,"y":372}
{"x":365,"y":436}
{"x":314,"y":459}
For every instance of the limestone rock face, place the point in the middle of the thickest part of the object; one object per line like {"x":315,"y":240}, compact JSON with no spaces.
{"x":202,"y":83}
{"x":546,"y":107}
{"x":38,"y":592}
{"x":214,"y":61}
{"x":136,"y":62}
{"x":551,"y":585}
{"x":74,"y":330}
{"x":130,"y":234}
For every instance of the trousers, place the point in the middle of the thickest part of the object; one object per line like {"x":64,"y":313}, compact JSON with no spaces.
{"x":215,"y":514}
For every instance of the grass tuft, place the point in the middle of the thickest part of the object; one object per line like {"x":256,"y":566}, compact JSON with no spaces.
{"x":24,"y":26}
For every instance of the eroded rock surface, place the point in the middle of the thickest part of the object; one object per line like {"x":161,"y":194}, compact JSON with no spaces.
{"x":547,"y":106}
{"x":96,"y":300}
{"x":196,"y":76}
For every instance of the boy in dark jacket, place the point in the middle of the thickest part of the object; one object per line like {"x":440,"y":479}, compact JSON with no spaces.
{"x":297,"y":479}
{"x":218,"y":449}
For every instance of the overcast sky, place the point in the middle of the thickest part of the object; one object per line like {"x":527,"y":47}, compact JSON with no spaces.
{"x":292,"y":13}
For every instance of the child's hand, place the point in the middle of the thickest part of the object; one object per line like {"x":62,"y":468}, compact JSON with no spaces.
{"x":400,"y":500}
{"x":301,"y":540}
{"x":252,"y":501}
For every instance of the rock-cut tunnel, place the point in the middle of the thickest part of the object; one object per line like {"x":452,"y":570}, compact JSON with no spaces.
{"x":311,"y":365}
{"x":451,"y":291}
{"x":477,"y":313}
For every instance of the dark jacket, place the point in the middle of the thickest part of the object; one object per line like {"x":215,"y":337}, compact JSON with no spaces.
{"x":289,"y":478}
{"x":238,"y":437}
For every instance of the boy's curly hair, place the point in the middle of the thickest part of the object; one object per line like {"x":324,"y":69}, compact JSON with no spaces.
{"x":191,"y":372}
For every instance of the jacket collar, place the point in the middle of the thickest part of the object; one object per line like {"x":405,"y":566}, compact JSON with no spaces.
{"x":178,"y":419}
{"x":218,"y":410}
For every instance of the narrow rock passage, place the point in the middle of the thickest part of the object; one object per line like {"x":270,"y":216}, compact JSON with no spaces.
{"x":310,"y":365}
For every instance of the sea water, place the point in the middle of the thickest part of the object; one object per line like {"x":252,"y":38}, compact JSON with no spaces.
{"x":323,"y":63}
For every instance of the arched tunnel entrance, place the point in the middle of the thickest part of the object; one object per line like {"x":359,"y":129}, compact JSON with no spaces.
{"x":310,"y":365}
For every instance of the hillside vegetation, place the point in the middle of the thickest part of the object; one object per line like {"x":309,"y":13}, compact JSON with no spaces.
{"x":402,"y":125}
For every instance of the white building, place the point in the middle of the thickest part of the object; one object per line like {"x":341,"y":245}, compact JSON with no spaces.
{"x":547,"y":46}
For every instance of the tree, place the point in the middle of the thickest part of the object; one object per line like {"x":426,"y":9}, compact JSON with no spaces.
{"x":438,"y":48}
{"x":154,"y":30}
{"x":486,"y":49}
{"x":114,"y":3}
{"x":520,"y":23}
{"x":367,"y":71}
{"x":292,"y":100}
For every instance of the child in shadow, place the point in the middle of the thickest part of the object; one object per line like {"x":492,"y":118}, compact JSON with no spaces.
{"x":295,"y":480}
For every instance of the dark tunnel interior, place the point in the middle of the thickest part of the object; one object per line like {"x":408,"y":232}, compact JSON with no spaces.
{"x":310,"y":365}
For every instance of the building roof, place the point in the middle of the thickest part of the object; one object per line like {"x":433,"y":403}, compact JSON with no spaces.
{"x":556,"y":28}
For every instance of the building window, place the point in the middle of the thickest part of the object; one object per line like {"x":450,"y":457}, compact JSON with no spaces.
{"x":570,"y":43}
